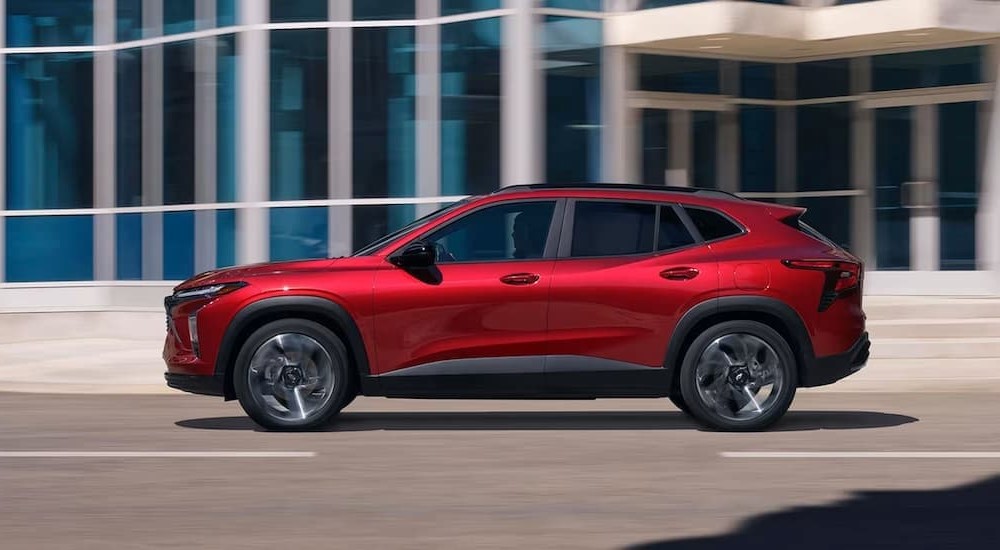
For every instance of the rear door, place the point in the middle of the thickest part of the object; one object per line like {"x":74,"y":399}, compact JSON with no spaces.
{"x":625,"y":274}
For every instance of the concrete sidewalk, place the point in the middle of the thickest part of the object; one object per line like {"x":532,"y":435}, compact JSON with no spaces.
{"x":121,"y":366}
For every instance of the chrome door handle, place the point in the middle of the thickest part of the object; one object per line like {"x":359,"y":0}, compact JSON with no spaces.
{"x":679,"y":273}
{"x":520,"y":279}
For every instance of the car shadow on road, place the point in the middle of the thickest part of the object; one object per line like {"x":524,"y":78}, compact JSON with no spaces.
{"x":556,"y":420}
{"x":959,"y":517}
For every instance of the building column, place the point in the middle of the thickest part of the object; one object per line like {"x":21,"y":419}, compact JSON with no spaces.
{"x":862,"y":165}
{"x":3,"y":144}
{"x":679,"y":150}
{"x":254,"y":155}
{"x":104,"y":141}
{"x":152,"y":143}
{"x":925,"y":223}
{"x":787,"y":143}
{"x":428,"y":106}
{"x":988,"y":215}
{"x":340,"y":183}
{"x":206,"y":158}
{"x":727,"y":157}
{"x":521,"y":114}
{"x":617,"y":75}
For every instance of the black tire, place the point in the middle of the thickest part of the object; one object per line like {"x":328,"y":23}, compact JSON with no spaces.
{"x":704,"y":413}
{"x":344,"y":379}
{"x":678,"y":400}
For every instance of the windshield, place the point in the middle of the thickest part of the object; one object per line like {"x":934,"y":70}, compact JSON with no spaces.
{"x":419,"y":221}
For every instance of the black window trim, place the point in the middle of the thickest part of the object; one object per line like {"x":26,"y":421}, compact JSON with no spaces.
{"x":569,"y":218}
{"x":682,"y":211}
{"x":551,"y":241}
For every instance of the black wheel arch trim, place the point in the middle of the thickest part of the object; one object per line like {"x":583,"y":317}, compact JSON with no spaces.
{"x":802,"y":346}
{"x":311,"y":307}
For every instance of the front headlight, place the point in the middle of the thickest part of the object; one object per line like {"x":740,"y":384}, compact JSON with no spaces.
{"x":211,"y":291}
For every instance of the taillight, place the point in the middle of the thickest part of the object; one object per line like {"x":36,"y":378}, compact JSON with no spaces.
{"x":842,"y":277}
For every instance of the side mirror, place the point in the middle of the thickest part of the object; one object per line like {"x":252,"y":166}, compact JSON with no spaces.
{"x":416,"y":256}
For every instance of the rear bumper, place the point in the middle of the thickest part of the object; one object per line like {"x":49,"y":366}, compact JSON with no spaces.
{"x":827,"y":370}
{"x":199,"y":384}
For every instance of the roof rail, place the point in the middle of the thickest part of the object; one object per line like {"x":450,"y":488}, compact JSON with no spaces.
{"x":626,"y":186}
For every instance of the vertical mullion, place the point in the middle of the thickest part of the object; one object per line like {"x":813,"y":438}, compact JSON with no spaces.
{"x":863,"y":164}
{"x":520,"y":104}
{"x":679,"y":150}
{"x":152,"y":142}
{"x":205,"y":110}
{"x":614,"y":113}
{"x":925,"y":223}
{"x":988,"y":213}
{"x":787,"y":142}
{"x":428,"y":107}
{"x":3,"y":141}
{"x":104,"y":141}
{"x":340,"y":129}
{"x":254,"y":134}
{"x":727,"y":157}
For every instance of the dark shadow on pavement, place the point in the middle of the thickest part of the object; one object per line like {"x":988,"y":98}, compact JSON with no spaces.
{"x":546,"y":420}
{"x":961,"y":517}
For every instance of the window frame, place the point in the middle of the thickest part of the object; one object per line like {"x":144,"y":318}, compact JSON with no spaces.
{"x":569,"y":220}
{"x":552,"y":240}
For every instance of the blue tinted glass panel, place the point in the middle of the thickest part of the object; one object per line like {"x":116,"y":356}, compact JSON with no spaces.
{"x":128,"y":127}
{"x":383,"y":9}
{"x":128,"y":247}
{"x":451,"y":7}
{"x":373,"y":222}
{"x":893,"y":161}
{"x":225,"y":12}
{"x":178,"y":245}
{"x":650,"y":4}
{"x":299,"y":114}
{"x":178,"y":123}
{"x":587,"y":5}
{"x":654,"y":146}
{"x":178,"y":16}
{"x":830,"y":78}
{"x":573,"y":99}
{"x":50,"y":248}
{"x":298,"y":233}
{"x":958,"y":138}
{"x":50,"y":131}
{"x":128,"y":20}
{"x":660,"y":73}
{"x":226,"y":119}
{"x":225,"y":238}
{"x":757,"y":80}
{"x":298,"y":10}
{"x":824,"y":147}
{"x":704,"y":138}
{"x":470,"y":107}
{"x":384,"y":111}
{"x":927,"y":69}
{"x":758,"y":149}
{"x":50,"y":23}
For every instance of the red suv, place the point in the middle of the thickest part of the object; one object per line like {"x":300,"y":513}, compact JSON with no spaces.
{"x":724,"y":305}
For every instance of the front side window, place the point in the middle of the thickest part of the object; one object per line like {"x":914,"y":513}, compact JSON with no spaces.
{"x":515,"y":231}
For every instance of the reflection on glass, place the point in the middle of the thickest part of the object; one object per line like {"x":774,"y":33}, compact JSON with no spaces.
{"x":128,"y":127}
{"x":178,"y":245}
{"x":661,"y":73}
{"x":704,"y":142}
{"x":128,"y":20}
{"x":50,"y":131}
{"x":893,"y":163}
{"x":49,"y":23}
{"x":926,"y":69}
{"x":758,"y":149}
{"x":283,"y":11}
{"x":572,"y":99}
{"x":178,"y":122}
{"x":49,"y":248}
{"x":451,"y":7}
{"x":824,"y":147}
{"x":298,"y":233}
{"x":178,"y":16}
{"x":299,"y":114}
{"x":128,"y":247}
{"x":225,"y":94}
{"x":470,"y":107}
{"x":958,"y":165}
{"x":383,"y":9}
{"x":225,"y":238}
{"x":654,"y":146}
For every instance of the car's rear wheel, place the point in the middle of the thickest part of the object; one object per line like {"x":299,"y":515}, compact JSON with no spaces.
{"x":678,"y":400}
{"x":738,"y":376}
{"x":293,"y":374}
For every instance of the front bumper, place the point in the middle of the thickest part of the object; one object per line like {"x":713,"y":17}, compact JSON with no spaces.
{"x":199,"y":384}
{"x":827,"y":370}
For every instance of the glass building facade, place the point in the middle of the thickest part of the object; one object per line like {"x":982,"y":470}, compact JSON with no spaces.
{"x":247,"y":130}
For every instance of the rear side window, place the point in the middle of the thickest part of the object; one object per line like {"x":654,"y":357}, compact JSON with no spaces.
{"x":672,"y":233}
{"x":711,"y":225}
{"x":612,"y":229}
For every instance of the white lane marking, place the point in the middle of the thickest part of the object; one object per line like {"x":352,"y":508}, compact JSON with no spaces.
{"x":156,"y":454}
{"x":863,"y":454}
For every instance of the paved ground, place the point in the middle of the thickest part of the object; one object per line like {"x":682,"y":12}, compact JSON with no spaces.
{"x":443,"y":474}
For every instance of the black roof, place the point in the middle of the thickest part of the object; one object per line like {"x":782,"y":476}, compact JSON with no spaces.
{"x":621,"y":186}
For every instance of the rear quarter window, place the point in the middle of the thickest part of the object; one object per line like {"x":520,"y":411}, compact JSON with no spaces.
{"x":712,"y":225}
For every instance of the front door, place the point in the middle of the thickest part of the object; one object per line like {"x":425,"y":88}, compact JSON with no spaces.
{"x":478,"y":317}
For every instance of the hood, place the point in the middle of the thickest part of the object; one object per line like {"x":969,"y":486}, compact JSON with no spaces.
{"x":238,"y":273}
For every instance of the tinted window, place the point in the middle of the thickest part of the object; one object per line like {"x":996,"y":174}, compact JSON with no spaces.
{"x":613,"y":229}
{"x":712,"y":225}
{"x":505,"y":232}
{"x":672,"y":233}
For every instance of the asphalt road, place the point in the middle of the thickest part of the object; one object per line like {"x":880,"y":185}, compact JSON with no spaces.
{"x":446,"y":474}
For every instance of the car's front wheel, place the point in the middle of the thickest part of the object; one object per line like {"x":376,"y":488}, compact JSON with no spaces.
{"x":738,"y":376}
{"x":293,"y":374}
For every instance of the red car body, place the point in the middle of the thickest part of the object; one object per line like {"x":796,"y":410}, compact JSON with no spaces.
{"x":554,"y":326}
